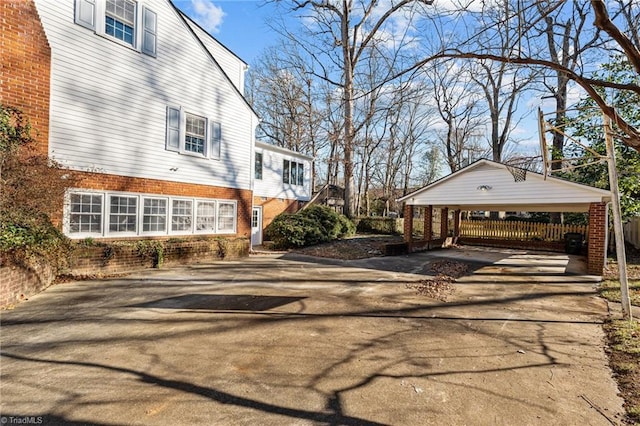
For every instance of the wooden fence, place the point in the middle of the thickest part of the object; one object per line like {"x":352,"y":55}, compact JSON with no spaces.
{"x":523,"y":231}
{"x":632,"y":232}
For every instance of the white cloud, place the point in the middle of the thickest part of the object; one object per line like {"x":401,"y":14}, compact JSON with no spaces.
{"x":208,"y":15}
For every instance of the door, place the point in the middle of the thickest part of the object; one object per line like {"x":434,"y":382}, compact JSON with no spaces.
{"x":256,"y":226}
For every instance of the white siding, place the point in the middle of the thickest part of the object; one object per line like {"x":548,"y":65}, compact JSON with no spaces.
{"x":108,"y":102}
{"x":271,"y":185}
{"x":463,"y":190}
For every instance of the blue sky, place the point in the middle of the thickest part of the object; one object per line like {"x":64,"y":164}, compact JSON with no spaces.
{"x":238,"y":24}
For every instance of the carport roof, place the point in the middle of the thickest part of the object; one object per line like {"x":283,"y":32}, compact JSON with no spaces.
{"x":490,"y":186}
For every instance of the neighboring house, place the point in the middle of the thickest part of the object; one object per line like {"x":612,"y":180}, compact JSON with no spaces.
{"x":282,"y":183}
{"x":149,"y":110}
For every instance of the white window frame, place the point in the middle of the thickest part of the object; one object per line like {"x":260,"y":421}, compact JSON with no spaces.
{"x":215,"y":217}
{"x":69,"y":213}
{"x":92,"y":14}
{"x":219,"y":216}
{"x":255,"y":165}
{"x":108,"y":214}
{"x":299,"y":178}
{"x":105,"y":215}
{"x":171,"y":215}
{"x":176,"y":135}
{"x":142,"y":215}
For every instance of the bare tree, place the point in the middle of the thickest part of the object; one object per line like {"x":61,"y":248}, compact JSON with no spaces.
{"x":344,"y":31}
{"x":617,"y":31}
{"x":458,"y":107}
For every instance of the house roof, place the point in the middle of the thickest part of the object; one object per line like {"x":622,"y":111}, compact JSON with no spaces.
{"x":188,"y":22}
{"x":490,"y":186}
{"x":282,"y":150}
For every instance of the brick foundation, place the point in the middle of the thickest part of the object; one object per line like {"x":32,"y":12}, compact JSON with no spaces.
{"x":108,"y":259}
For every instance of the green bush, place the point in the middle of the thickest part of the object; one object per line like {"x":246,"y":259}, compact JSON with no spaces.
{"x":314,"y":225}
{"x":377,"y":225}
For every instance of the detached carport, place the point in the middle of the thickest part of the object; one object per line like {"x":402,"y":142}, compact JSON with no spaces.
{"x":490,"y":186}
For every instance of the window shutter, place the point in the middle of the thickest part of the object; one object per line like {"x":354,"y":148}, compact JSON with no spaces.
{"x":215,"y":135}
{"x":173,"y":129}
{"x":149,"y":31}
{"x":86,"y":13}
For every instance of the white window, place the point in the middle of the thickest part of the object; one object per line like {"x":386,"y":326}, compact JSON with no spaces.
{"x":125,"y":21}
{"x":226,"y":217}
{"x":85,"y":215}
{"x":258,"y":166}
{"x":123,"y":214}
{"x":206,"y":216}
{"x":293,"y":172}
{"x":112,"y":214}
{"x":194,"y":134}
{"x":182,"y":215}
{"x":154,"y":215}
{"x":120,"y":17}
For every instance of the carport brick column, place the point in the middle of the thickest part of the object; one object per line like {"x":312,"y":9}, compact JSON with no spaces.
{"x":428,"y":223}
{"x":596,"y":241}
{"x":444,"y":222}
{"x":408,"y":223}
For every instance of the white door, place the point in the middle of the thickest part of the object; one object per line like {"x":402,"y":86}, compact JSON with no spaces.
{"x":256,"y":226}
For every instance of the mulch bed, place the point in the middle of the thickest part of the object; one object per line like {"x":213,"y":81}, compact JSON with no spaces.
{"x":359,"y":247}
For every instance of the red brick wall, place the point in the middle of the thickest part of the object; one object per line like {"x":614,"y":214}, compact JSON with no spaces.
{"x":596,"y":239}
{"x":18,"y":284}
{"x":272,"y":207}
{"x":25,"y":64}
{"x":105,"y":182}
{"x":444,"y":222}
{"x":408,"y":223}
{"x":428,"y":223}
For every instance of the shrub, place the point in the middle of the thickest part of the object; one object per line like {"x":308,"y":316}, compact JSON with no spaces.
{"x":314,"y":225}
{"x":377,"y":225}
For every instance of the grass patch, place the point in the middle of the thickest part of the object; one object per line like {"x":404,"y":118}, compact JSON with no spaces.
{"x":610,"y":290}
{"x":624,"y":358}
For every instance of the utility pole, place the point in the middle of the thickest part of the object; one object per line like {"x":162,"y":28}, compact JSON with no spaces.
{"x":617,"y":220}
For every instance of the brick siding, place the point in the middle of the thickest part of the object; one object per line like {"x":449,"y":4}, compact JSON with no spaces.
{"x":25,"y":66}
{"x":596,"y":239}
{"x":408,"y":223}
{"x":272,"y":207}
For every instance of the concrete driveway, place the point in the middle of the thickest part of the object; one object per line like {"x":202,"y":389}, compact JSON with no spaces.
{"x":295,"y":340}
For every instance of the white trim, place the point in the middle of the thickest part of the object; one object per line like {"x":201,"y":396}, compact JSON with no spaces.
{"x":140,"y":197}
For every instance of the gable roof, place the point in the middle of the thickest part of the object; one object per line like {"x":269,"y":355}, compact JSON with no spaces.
{"x":186,"y":20}
{"x":464,"y":190}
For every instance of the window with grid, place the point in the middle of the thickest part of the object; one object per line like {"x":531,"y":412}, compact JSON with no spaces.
{"x":194,"y":133}
{"x":226,"y":217}
{"x":258,"y":166}
{"x":181,"y":215}
{"x":85,"y":214}
{"x":206,"y":216}
{"x":123,"y":213}
{"x":120,"y":18}
{"x":154,"y":216}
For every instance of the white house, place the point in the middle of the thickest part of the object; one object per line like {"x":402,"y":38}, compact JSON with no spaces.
{"x":282,"y":183}
{"x":149,"y":109}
